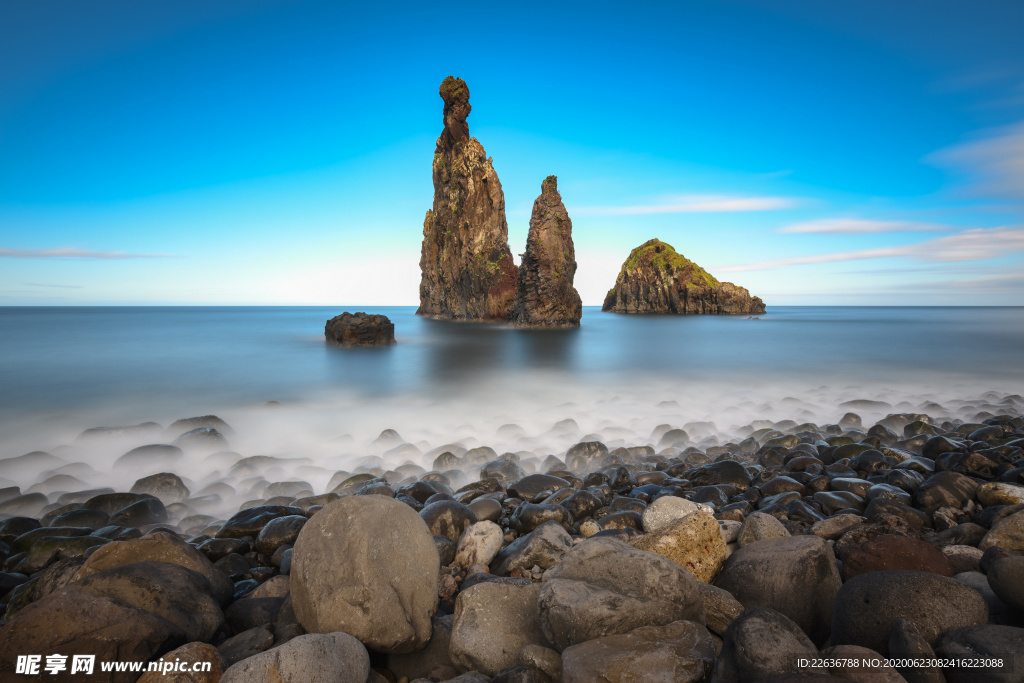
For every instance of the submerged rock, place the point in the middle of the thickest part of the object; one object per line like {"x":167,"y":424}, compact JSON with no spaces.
{"x":467,"y":272}
{"x":545,"y":296}
{"x":656,"y":279}
{"x":359,"y":329}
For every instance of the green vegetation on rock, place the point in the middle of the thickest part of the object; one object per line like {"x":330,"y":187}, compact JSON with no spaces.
{"x":663,"y":257}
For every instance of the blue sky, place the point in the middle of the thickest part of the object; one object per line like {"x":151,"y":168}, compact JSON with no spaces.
{"x":278,"y":151}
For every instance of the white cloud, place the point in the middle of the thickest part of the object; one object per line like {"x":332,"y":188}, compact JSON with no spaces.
{"x":69,"y":252}
{"x":972,"y":245}
{"x":994,"y":163}
{"x":860,"y":226}
{"x":694,"y":204}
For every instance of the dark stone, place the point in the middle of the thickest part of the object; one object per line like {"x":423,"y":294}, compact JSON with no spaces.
{"x":759,"y":643}
{"x":794,"y":575}
{"x":250,"y":522}
{"x":1006,"y":578}
{"x":532,"y":484}
{"x":141,"y":513}
{"x":868,"y":606}
{"x":448,"y":518}
{"x":249,"y":613}
{"x":944,"y":489}
{"x":279,"y":531}
{"x":906,"y":641}
{"x":544,"y":547}
{"x":359,"y":329}
{"x":529,"y":516}
{"x":986,"y":641}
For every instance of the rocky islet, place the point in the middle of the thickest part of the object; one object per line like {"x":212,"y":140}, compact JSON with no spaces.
{"x":691,"y":561}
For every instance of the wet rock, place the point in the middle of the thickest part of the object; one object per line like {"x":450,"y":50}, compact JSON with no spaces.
{"x":479,"y":544}
{"x":89,"y":519}
{"x":543,"y":547}
{"x":664,"y":511}
{"x":47,"y":550}
{"x":1007,"y":533}
{"x":759,"y":643}
{"x":1006,"y":578}
{"x":834,"y":527}
{"x":681,"y":651}
{"x":250,"y":613}
{"x":758,"y":527}
{"x":944,"y":488}
{"x":179,"y":595}
{"x":906,"y":642}
{"x":141,"y":513}
{"x":250,"y":522}
{"x":367,"y":565}
{"x":486,"y":509}
{"x":279,"y":531}
{"x":158,"y":547}
{"x":27,"y":505}
{"x":986,"y":642}
{"x":532,"y":484}
{"x":868,"y":606}
{"x":359,"y":329}
{"x":720,"y":608}
{"x":795,"y":576}
{"x":604,"y":587}
{"x":311,"y":658}
{"x":529,"y":516}
{"x":891,"y":551}
{"x":187,"y":656}
{"x":693,"y":542}
{"x":466,"y":265}
{"x":448,"y":518}
{"x":72,"y":621}
{"x":169,"y":488}
{"x":545,"y":296}
{"x":656,"y":279}
{"x":151,"y":458}
{"x":999,"y":493}
{"x":493,"y":622}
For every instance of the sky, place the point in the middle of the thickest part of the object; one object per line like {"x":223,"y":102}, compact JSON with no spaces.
{"x":278,"y":152}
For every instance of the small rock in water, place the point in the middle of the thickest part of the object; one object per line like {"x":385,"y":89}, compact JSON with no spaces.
{"x":359,"y":329}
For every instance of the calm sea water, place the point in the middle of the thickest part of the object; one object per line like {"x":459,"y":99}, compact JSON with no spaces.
{"x":57,"y":359}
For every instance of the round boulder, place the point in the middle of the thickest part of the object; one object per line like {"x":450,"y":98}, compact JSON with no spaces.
{"x":795,"y":575}
{"x":367,"y":566}
{"x":868,"y":606}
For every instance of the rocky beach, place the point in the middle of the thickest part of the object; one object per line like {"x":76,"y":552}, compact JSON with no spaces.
{"x":616,"y":540}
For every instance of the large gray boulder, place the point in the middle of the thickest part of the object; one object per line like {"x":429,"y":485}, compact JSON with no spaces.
{"x":367,"y":566}
{"x":494,"y":620}
{"x":794,"y":575}
{"x":868,"y":606}
{"x":312,"y":658}
{"x":604,"y":587}
{"x":680,"y":652}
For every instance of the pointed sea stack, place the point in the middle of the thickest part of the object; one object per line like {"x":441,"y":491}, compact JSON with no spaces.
{"x":656,"y":279}
{"x":545,"y":296}
{"x":466,"y":265}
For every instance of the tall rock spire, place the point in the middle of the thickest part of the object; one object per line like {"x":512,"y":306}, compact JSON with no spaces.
{"x":545,"y":296}
{"x":466,"y":266}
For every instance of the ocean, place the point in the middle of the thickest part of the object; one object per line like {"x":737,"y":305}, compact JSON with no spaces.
{"x":616,"y":377}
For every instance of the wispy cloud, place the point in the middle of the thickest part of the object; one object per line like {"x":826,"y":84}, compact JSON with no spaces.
{"x":971,"y":245}
{"x":695,"y":204}
{"x":70,"y":252}
{"x":861,"y":226}
{"x":38,"y":284}
{"x":994,"y":163}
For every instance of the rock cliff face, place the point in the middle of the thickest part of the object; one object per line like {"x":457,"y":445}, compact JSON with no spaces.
{"x":656,"y":279}
{"x":545,"y":296}
{"x":467,"y":269}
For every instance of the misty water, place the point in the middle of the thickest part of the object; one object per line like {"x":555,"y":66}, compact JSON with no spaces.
{"x":618,"y":377}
